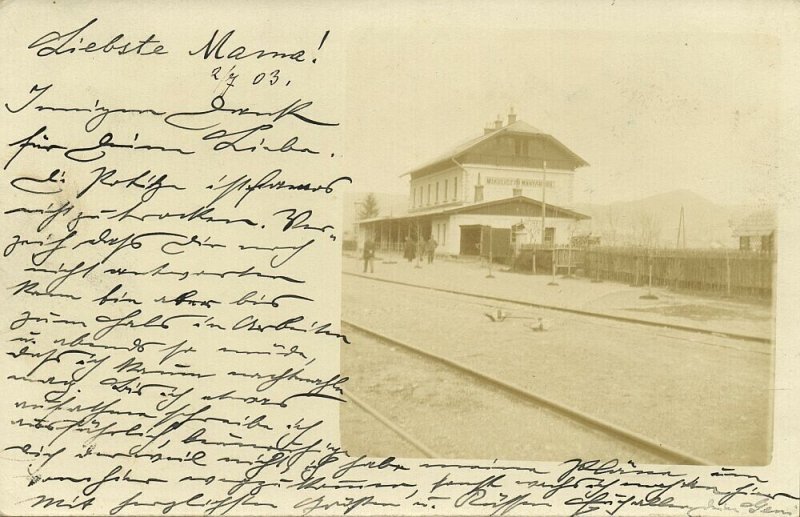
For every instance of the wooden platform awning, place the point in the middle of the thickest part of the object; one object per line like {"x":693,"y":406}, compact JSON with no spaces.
{"x":521,"y":206}
{"x":518,"y":206}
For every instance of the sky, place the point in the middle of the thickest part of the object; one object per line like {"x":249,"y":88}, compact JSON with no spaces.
{"x":651,"y":111}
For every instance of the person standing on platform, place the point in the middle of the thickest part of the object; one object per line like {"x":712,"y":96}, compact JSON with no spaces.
{"x":369,"y":255}
{"x":430,"y":248}
{"x":408,"y":249}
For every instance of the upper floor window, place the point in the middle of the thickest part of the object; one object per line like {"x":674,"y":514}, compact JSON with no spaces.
{"x":521,"y":147}
{"x":455,"y":188}
{"x":429,"y":193}
{"x":478,"y":193}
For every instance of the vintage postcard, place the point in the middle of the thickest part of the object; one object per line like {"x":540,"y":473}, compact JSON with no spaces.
{"x":334,"y":258}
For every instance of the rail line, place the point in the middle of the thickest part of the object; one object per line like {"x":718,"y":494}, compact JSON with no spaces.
{"x":601,"y":315}
{"x":396,"y":429}
{"x":584,"y":419}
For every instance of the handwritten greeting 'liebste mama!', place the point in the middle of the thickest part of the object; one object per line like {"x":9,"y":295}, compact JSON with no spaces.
{"x":169,"y":254}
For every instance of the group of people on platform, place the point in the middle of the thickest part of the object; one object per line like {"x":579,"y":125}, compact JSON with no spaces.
{"x":411,"y":248}
{"x":426,"y":248}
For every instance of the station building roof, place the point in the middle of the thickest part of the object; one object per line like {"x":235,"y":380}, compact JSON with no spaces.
{"x":756,"y":224}
{"x":518,"y":127}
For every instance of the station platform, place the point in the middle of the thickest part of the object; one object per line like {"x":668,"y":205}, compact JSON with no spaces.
{"x":731,"y":315}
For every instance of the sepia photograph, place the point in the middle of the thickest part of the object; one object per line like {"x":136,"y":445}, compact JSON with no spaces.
{"x":565,"y":244}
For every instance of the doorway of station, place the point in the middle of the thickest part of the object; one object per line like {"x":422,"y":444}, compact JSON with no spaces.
{"x":470,"y":240}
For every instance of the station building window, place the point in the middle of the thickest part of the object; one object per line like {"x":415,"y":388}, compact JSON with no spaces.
{"x":478,"y":193}
{"x":455,"y":188}
{"x":521,"y":147}
{"x":444,"y":196}
{"x":766,"y":242}
{"x":429,"y":193}
{"x":437,"y":192}
{"x":744,"y":243}
{"x":549,"y":236}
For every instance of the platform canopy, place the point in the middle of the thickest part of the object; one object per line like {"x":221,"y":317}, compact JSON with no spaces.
{"x":521,"y":206}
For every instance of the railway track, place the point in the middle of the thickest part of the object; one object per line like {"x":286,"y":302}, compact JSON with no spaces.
{"x":580,"y":312}
{"x":511,"y":398}
{"x":392,"y":426}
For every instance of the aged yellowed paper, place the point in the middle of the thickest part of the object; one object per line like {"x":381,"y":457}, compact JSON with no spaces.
{"x":377,"y":259}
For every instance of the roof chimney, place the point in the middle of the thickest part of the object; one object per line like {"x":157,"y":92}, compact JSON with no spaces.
{"x":488,"y":129}
{"x":498,"y":123}
{"x":512,"y":117}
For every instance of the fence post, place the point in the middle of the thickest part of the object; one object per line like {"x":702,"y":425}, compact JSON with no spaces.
{"x":553,"y":281}
{"x":569,"y":262}
{"x":596,"y":259}
{"x":649,"y":295}
{"x":728,"y":272}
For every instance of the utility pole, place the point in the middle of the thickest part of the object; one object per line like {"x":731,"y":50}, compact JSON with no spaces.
{"x":681,"y":231}
{"x":544,"y":194}
{"x":419,"y":249}
{"x":491,"y":256}
{"x":544,"y":218}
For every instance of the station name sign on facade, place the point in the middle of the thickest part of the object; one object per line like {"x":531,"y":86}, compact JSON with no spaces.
{"x":517,"y":182}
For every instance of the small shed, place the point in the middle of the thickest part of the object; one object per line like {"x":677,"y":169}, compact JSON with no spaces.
{"x":756,"y":232}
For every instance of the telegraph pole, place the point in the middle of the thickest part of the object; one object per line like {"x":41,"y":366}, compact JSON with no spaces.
{"x":681,"y":230}
{"x":491,"y":257}
{"x":544,"y":218}
{"x":544,"y":193}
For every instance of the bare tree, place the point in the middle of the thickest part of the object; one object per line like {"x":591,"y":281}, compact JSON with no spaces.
{"x":647,"y":229}
{"x":610,"y":226}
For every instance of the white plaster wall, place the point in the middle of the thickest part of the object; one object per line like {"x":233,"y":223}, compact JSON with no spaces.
{"x":565,"y":228}
{"x":559,"y":193}
{"x":441,"y":230}
{"x":455,"y":189}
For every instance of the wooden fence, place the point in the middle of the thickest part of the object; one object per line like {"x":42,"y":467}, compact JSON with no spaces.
{"x":540,"y":259}
{"x":722,"y":271}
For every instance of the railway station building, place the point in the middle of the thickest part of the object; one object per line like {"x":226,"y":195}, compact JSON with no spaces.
{"x":491,"y":190}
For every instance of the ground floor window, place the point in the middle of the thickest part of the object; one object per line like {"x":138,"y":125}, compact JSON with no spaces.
{"x":744,"y":243}
{"x":766,"y":242}
{"x":549,"y":236}
{"x":441,"y":233}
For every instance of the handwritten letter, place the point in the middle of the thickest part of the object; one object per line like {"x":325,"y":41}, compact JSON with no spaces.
{"x":171,"y":336}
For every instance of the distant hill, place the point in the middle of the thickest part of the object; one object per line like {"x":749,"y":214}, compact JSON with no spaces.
{"x":654,"y":220}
